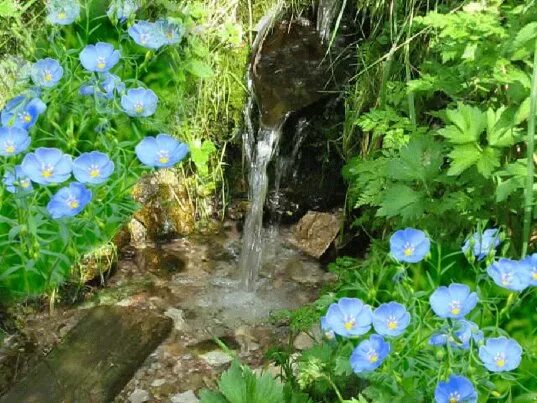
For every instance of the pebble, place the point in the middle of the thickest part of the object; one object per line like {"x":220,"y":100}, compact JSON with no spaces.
{"x":185,"y":397}
{"x":158,"y":382}
{"x":217,"y":358}
{"x":177,"y":315}
{"x":139,"y":396}
{"x":303,"y":342}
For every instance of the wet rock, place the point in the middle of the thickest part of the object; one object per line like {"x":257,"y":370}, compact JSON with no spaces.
{"x":97,"y":263}
{"x":96,"y":359}
{"x":167,"y":207}
{"x":138,"y":234}
{"x":178,"y":317}
{"x":185,"y":397}
{"x":303,"y":341}
{"x":315,"y":232}
{"x":216,"y":358}
{"x":302,"y":273}
{"x":139,"y":396}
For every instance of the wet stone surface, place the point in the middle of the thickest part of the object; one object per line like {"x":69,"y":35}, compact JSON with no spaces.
{"x":194,"y":281}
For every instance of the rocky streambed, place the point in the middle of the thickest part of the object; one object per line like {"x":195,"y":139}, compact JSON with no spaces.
{"x":194,"y":282}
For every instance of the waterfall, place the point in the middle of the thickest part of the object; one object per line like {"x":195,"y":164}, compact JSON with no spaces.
{"x":252,"y":240}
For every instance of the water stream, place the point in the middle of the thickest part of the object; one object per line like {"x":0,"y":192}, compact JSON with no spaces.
{"x":260,"y":155}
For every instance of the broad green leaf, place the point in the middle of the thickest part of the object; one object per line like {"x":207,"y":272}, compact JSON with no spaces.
{"x":469,"y":122}
{"x":523,"y":111}
{"x":526,"y":34}
{"x":401,"y":200}
{"x":208,"y":396}
{"x":463,"y":157}
{"x":199,"y":68}
{"x":500,"y":127}
{"x":488,"y":162}
{"x":8,"y":8}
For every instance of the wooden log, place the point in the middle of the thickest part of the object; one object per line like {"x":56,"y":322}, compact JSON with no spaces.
{"x":95,"y":360}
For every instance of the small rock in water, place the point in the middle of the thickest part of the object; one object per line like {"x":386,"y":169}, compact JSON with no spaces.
{"x":177,"y":315}
{"x":185,"y":397}
{"x":217,"y":358}
{"x":303,"y":342}
{"x":315,"y":232}
{"x":158,"y":382}
{"x":139,"y":396}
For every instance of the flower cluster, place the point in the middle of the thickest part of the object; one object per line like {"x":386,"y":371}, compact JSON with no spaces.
{"x":350,"y":318}
{"x":481,"y":245}
{"x":50,"y":166}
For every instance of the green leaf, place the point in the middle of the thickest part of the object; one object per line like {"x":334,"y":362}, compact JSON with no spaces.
{"x":401,"y":200}
{"x":463,"y":157}
{"x":8,"y":8}
{"x":500,"y":127}
{"x":488,"y":162}
{"x":199,"y":68}
{"x":469,"y":122}
{"x":526,"y":34}
{"x":208,"y":396}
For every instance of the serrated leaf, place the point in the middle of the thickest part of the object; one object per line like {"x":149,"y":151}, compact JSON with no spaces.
{"x":526,"y":34}
{"x":463,"y":157}
{"x":500,"y":130}
{"x":488,"y":161}
{"x":401,"y":200}
{"x":469,"y":122}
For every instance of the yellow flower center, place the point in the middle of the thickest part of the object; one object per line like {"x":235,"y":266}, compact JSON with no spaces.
{"x":453,"y":399}
{"x":25,"y":183}
{"x":62,"y":15}
{"x":350,"y":324}
{"x":500,"y":362}
{"x":95,"y":172}
{"x":10,"y":148}
{"x":392,"y":324}
{"x":46,"y":172}
{"x":408,"y":251}
{"x":373,"y":357}
{"x":169,"y":34}
{"x":27,"y":118}
{"x":47,"y":76}
{"x":455,"y":311}
{"x":73,"y":204}
{"x":101,"y":65}
{"x":164,"y":160}
{"x":455,"y":307}
{"x":534,"y":275}
{"x":139,"y":107}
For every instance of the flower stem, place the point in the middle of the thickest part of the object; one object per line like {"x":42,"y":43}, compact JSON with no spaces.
{"x":528,"y":197}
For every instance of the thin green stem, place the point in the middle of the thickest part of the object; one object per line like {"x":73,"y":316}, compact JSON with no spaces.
{"x":528,"y":197}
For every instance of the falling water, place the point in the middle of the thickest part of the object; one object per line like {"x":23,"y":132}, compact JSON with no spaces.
{"x":252,"y":241}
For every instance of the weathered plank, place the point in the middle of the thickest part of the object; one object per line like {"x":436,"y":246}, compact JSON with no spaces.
{"x":95,"y":360}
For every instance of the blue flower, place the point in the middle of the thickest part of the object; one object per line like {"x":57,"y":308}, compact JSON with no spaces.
{"x":69,"y":201}
{"x":328,"y":333}
{"x":46,"y":72}
{"x":13,"y":141}
{"x":409,"y":245}
{"x":391,"y":319}
{"x":482,"y":245}
{"x":139,"y":102}
{"x":100,"y":57}
{"x":369,"y":354}
{"x":511,"y":274}
{"x":162,"y":151}
{"x":457,"y":389}
{"x":22,"y":112}
{"x":93,"y":167}
{"x":501,"y":354}
{"x":453,"y":302}
{"x":147,"y":34}
{"x":349,"y":317}
{"x":530,"y":265}
{"x":465,"y":331}
{"x":439,"y":339}
{"x":172,"y":33}
{"x":47,"y":165}
{"x":106,"y":86}
{"x":122,"y":9}
{"x":16,"y":181}
{"x":63,"y":12}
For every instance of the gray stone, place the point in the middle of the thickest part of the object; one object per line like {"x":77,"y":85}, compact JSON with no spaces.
{"x":315,"y":232}
{"x":158,"y":382}
{"x":96,"y":359}
{"x":185,"y":397}
{"x":303,"y":341}
{"x":177,"y":315}
{"x":216,"y":358}
{"x":139,"y":396}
